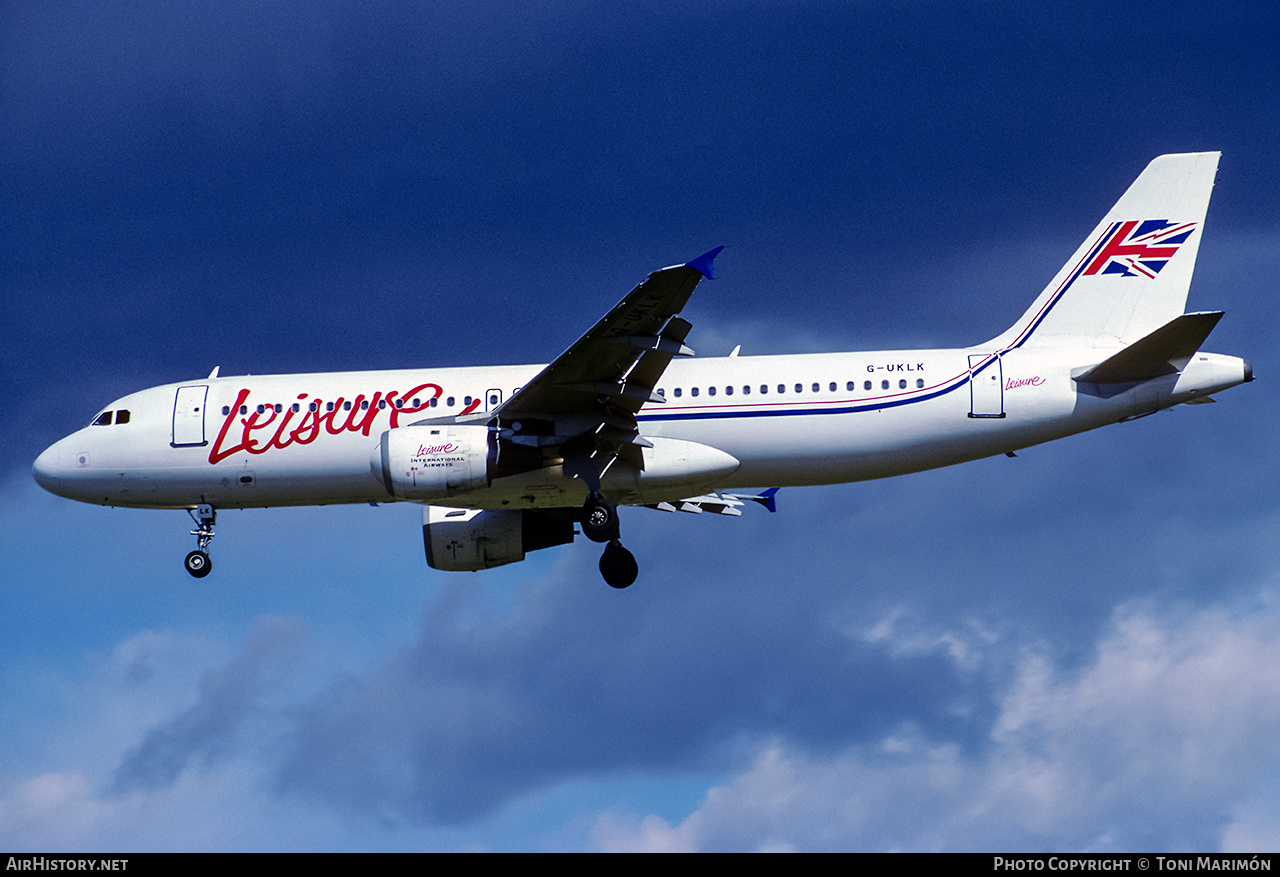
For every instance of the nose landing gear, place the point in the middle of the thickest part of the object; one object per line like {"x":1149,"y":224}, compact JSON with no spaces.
{"x":198,"y":562}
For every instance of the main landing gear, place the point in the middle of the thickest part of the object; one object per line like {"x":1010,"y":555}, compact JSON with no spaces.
{"x":198,"y":562}
{"x":600,"y":524}
{"x":618,"y":565}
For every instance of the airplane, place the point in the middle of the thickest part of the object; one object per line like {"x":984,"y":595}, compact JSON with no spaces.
{"x":512,"y":459}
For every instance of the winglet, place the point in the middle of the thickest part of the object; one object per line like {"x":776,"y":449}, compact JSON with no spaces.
{"x":766,"y":499}
{"x":703,"y":264}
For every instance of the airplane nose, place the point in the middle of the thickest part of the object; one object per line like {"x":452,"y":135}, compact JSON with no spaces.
{"x":46,"y":469}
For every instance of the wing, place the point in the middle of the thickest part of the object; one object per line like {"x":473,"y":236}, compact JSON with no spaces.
{"x":586,"y":401}
{"x":718,"y":503}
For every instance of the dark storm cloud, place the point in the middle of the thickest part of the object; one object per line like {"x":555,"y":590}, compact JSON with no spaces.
{"x":290,"y":188}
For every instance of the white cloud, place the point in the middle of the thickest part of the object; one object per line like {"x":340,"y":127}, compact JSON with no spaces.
{"x":1163,"y":740}
{"x":107,"y":718}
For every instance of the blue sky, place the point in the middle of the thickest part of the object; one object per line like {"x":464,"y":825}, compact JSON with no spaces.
{"x":1073,"y":649}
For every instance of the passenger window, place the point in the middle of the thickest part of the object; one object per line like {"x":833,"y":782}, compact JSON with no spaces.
{"x":466,"y":400}
{"x":815,"y":387}
{"x":782,"y":388}
{"x":799,"y":388}
{"x":449,"y":401}
{"x":711,"y":391}
{"x":226,"y":409}
{"x":693,"y":391}
{"x":346,"y":406}
{"x":295,"y":407}
{"x":867,"y":385}
{"x":902,"y":384}
{"x":884,"y":385}
{"x":920,"y":383}
{"x":313,"y":407}
{"x":832,"y":387}
{"x":677,"y":392}
{"x":244,"y":409}
{"x":746,"y":389}
{"x":764,"y":389}
{"x":849,"y":386}
{"x":279,"y":408}
{"x":434,"y":401}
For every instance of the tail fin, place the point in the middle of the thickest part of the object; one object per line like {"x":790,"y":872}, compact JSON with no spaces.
{"x":1131,"y":276}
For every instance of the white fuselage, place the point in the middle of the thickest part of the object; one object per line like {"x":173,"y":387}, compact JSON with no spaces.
{"x":507,"y":459}
{"x":309,"y":439}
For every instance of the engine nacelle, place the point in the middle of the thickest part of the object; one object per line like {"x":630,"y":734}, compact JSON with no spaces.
{"x":472,"y":539}
{"x":433,"y":462}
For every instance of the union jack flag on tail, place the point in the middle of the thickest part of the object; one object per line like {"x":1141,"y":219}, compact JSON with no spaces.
{"x":1138,"y":248}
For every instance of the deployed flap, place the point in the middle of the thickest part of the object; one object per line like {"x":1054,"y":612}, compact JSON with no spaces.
{"x":1165,"y":351}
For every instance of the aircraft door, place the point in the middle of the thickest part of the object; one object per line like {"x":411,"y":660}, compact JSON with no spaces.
{"x":986,"y":385}
{"x":188,"y":417}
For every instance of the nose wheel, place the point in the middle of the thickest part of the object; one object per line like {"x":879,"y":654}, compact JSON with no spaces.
{"x":198,"y":562}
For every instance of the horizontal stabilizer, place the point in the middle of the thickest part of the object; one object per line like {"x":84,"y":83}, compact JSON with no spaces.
{"x":1165,"y":351}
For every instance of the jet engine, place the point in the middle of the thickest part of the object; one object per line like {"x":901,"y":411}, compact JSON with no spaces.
{"x":472,"y":539}
{"x":435,"y":462}
{"x":432,"y":462}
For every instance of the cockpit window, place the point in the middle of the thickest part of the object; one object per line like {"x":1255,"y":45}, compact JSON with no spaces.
{"x":104,"y":419}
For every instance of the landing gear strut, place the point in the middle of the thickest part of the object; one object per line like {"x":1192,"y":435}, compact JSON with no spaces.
{"x":198,"y":562}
